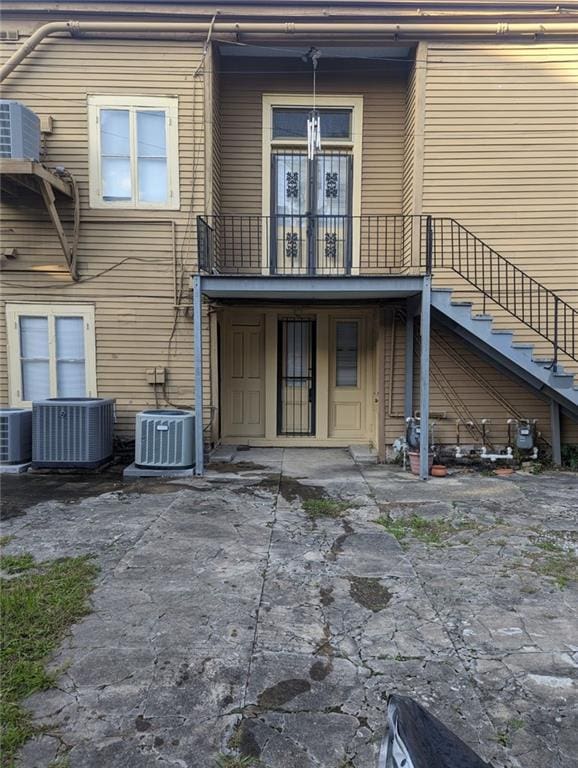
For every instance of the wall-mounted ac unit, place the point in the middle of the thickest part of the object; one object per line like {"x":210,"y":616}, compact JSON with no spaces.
{"x":19,"y":131}
{"x":72,"y":432}
{"x":165,"y":439}
{"x":15,"y":435}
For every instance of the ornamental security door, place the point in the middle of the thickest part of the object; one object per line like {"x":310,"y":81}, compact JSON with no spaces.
{"x":311,"y":213}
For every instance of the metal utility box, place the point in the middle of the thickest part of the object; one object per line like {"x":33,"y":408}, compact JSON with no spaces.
{"x":72,"y":432}
{"x":19,"y":131}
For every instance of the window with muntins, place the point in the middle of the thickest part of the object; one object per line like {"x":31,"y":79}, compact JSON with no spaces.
{"x":51,"y":352}
{"x":133,"y":152}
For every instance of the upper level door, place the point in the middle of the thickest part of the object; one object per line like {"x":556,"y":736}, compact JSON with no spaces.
{"x":311,"y":213}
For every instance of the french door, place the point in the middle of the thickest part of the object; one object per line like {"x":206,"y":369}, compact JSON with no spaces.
{"x":311,"y":229}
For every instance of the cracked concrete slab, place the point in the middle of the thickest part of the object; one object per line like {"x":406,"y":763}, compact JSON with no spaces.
{"x":229,"y":619}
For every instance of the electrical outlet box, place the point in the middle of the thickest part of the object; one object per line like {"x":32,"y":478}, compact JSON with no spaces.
{"x":46,"y":124}
{"x":156,"y":375}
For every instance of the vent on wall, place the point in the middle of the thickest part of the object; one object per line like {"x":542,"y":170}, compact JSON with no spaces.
{"x":15,"y":435}
{"x":72,"y":432}
{"x":19,"y":131}
{"x":164,"y":439}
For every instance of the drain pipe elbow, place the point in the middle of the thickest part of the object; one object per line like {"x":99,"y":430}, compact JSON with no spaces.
{"x":33,"y":41}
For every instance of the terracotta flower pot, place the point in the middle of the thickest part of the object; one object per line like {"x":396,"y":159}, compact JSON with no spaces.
{"x":503,"y":471}
{"x":414,"y":462}
{"x":439,"y":470}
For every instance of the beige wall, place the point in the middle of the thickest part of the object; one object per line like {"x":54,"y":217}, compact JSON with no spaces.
{"x":127,"y":259}
{"x":462,"y":385}
{"x":501,"y":155}
{"x":383,"y":87}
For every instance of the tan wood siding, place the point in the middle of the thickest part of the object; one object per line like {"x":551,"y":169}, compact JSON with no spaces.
{"x":462,"y":385}
{"x":243,"y":83}
{"x":129,"y":261}
{"x":501,"y":155}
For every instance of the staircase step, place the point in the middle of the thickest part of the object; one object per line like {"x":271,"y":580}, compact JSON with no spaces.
{"x":522,"y":345}
{"x":442,"y":290}
{"x":462,"y":304}
{"x":545,"y":361}
{"x":563,"y":380}
{"x":485,"y":318}
{"x":500,"y":332}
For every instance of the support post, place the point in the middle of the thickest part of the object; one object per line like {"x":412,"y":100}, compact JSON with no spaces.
{"x":198,"y":342}
{"x":555,"y":433}
{"x":409,"y":339}
{"x":424,"y":377}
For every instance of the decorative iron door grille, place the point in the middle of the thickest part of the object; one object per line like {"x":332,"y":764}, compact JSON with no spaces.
{"x":311,"y":213}
{"x":296,"y":377}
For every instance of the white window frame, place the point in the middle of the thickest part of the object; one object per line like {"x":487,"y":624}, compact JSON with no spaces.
{"x":170,"y":105}
{"x":13,"y":314}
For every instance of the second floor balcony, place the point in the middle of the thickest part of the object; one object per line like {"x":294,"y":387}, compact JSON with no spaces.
{"x":314,"y":244}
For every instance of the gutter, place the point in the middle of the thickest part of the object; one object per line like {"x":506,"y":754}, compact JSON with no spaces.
{"x":407,"y":30}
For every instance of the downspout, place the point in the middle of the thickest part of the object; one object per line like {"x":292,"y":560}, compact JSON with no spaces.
{"x":409,"y":30}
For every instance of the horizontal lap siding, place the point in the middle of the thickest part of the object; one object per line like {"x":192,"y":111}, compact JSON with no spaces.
{"x":125,"y":258}
{"x":242,"y":86}
{"x":462,"y":385}
{"x":501,"y":156}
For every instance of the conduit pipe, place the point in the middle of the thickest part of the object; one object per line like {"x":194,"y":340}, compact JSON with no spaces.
{"x":408,"y":30}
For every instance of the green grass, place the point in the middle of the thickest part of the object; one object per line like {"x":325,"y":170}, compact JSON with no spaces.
{"x":5,"y":540}
{"x":37,"y":607}
{"x":16,"y":563}
{"x":325,"y":507}
{"x":435,"y":531}
{"x":563,"y":568}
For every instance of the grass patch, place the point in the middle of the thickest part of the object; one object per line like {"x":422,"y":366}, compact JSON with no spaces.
{"x":563,"y":568}
{"x":16,"y":563}
{"x":435,"y":531}
{"x":325,"y":507}
{"x":5,"y":540}
{"x":37,"y":608}
{"x":547,"y":545}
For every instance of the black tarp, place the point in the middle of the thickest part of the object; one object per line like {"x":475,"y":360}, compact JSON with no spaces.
{"x":417,"y":739}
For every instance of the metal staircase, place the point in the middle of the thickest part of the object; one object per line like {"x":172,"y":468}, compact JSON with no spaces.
{"x":453,"y":247}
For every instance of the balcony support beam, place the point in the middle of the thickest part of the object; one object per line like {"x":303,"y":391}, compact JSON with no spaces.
{"x":424,"y":377}
{"x":198,"y":353}
{"x":555,"y":433}
{"x":411,"y":309}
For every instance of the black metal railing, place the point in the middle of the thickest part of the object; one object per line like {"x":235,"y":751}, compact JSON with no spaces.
{"x":312,"y":245}
{"x":503,"y":283}
{"x":384,"y":245}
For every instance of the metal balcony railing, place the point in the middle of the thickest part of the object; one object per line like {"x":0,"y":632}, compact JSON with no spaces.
{"x":312,"y":245}
{"x":384,"y":245}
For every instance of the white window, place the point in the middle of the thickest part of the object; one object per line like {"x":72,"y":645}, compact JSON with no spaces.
{"x":133,"y":152}
{"x":51,"y":351}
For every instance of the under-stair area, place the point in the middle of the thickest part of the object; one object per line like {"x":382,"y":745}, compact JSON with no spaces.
{"x":544,"y":375}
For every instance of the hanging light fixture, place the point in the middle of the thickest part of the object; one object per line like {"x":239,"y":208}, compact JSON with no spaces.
{"x":314,"y":119}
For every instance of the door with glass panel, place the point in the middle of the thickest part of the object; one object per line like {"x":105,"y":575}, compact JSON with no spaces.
{"x":348,"y":378}
{"x":296,"y":350}
{"x":311,"y":213}
{"x":311,"y":199}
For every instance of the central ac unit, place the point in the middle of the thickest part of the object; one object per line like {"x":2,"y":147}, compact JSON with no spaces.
{"x":15,"y":435}
{"x":165,"y":439}
{"x":72,"y":432}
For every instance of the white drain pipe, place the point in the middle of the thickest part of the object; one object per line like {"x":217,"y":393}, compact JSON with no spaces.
{"x":407,"y":30}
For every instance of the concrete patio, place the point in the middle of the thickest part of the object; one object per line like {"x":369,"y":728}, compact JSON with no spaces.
{"x":232,"y":617}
